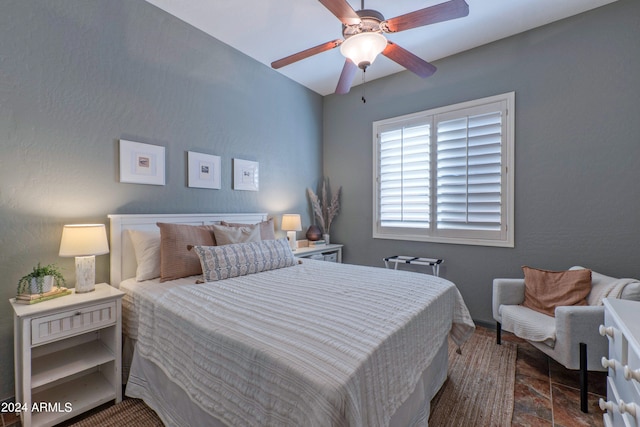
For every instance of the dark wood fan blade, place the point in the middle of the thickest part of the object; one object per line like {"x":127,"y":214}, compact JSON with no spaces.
{"x":346,"y":77}
{"x":306,"y":53}
{"x":408,"y":60}
{"x":342,"y":11}
{"x":429,"y":15}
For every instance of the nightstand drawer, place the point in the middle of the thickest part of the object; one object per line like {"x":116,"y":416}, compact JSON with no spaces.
{"x":72,"y":322}
{"x":332,"y":257}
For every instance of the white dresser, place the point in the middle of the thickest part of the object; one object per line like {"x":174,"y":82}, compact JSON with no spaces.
{"x":622,"y":327}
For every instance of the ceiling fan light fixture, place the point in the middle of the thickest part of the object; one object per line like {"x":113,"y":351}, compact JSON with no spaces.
{"x":363,"y":48}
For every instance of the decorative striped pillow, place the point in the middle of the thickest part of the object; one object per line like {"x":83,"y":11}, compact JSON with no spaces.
{"x":240,"y":259}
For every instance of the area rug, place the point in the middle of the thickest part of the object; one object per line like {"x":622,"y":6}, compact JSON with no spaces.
{"x":479,"y":389}
{"x":129,"y":412}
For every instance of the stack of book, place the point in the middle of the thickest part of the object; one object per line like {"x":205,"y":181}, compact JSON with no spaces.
{"x":317,"y":243}
{"x":35,"y":298}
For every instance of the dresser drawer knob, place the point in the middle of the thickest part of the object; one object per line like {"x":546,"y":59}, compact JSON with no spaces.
{"x":631,"y":374}
{"x":606,"y":405}
{"x":629,"y":408}
{"x":606,"y":331}
{"x":609,"y":363}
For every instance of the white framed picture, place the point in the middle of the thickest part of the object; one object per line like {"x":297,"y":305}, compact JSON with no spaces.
{"x":141,"y":163}
{"x":245,"y":175}
{"x":204,"y":170}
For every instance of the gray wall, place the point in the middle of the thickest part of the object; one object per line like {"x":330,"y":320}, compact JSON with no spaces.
{"x":577,"y":150}
{"x":77,"y":75}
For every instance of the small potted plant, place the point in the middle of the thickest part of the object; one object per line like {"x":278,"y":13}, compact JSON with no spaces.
{"x":40,"y":280}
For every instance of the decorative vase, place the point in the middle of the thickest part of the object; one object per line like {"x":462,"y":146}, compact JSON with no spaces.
{"x":326,"y":238}
{"x":314,"y":233}
{"x":47,"y":284}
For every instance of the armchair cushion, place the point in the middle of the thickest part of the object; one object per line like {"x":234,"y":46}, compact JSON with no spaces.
{"x":545,"y":290}
{"x":529,"y":324}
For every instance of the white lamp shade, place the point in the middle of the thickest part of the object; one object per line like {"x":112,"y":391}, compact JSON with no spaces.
{"x":363,"y":48}
{"x":291,"y":222}
{"x":83,"y":240}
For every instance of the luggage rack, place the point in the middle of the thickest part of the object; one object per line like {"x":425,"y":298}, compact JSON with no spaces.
{"x":402,"y":259}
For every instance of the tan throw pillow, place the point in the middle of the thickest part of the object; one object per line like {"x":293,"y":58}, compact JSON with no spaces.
{"x":176,"y":260}
{"x":545,"y":290}
{"x":228,"y":235}
{"x":266,"y":228}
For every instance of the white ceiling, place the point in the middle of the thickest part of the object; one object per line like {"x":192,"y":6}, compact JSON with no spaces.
{"x":267,"y":30}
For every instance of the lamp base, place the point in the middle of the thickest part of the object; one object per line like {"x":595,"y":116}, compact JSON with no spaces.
{"x":291,"y":235}
{"x":85,"y":274}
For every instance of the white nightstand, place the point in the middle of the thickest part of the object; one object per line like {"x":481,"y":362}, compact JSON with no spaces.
{"x":68,"y":354}
{"x":331,"y":252}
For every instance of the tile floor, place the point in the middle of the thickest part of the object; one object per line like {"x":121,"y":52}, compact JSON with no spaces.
{"x":546,"y":394}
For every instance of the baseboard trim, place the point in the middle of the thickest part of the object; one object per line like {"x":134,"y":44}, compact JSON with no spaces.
{"x":488,"y":325}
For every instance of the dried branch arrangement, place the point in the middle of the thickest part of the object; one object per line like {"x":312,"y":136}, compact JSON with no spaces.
{"x":327,"y":209}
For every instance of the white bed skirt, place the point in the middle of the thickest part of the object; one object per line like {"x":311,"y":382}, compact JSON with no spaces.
{"x":174,"y":407}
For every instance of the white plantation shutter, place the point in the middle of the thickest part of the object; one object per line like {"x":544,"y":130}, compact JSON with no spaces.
{"x":469,"y":172}
{"x":446,"y":175}
{"x":405,"y":176}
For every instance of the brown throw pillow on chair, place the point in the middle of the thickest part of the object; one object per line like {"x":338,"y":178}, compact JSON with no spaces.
{"x":545,"y":290}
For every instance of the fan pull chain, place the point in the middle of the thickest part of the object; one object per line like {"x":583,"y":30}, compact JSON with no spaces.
{"x":364,"y":100}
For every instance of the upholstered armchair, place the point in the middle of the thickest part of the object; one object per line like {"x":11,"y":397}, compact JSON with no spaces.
{"x":572,"y":337}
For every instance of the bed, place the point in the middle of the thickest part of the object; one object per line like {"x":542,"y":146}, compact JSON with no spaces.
{"x":311,"y":343}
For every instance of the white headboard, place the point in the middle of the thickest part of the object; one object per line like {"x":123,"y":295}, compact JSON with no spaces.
{"x":123,"y":257}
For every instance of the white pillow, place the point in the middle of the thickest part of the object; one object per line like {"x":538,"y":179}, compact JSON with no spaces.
{"x":146,"y":245}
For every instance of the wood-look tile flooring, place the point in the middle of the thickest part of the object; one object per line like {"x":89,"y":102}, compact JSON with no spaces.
{"x":546,"y":394}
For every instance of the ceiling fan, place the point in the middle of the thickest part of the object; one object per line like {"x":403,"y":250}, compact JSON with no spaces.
{"x":363,"y":39}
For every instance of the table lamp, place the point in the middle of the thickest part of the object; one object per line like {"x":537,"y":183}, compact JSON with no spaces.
{"x":291,"y":223}
{"x":84,"y":242}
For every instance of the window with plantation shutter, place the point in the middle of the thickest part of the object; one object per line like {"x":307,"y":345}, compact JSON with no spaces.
{"x":446,"y":175}
{"x":405,"y":176}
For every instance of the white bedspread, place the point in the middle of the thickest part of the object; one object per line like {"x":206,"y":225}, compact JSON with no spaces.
{"x":317,"y":344}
